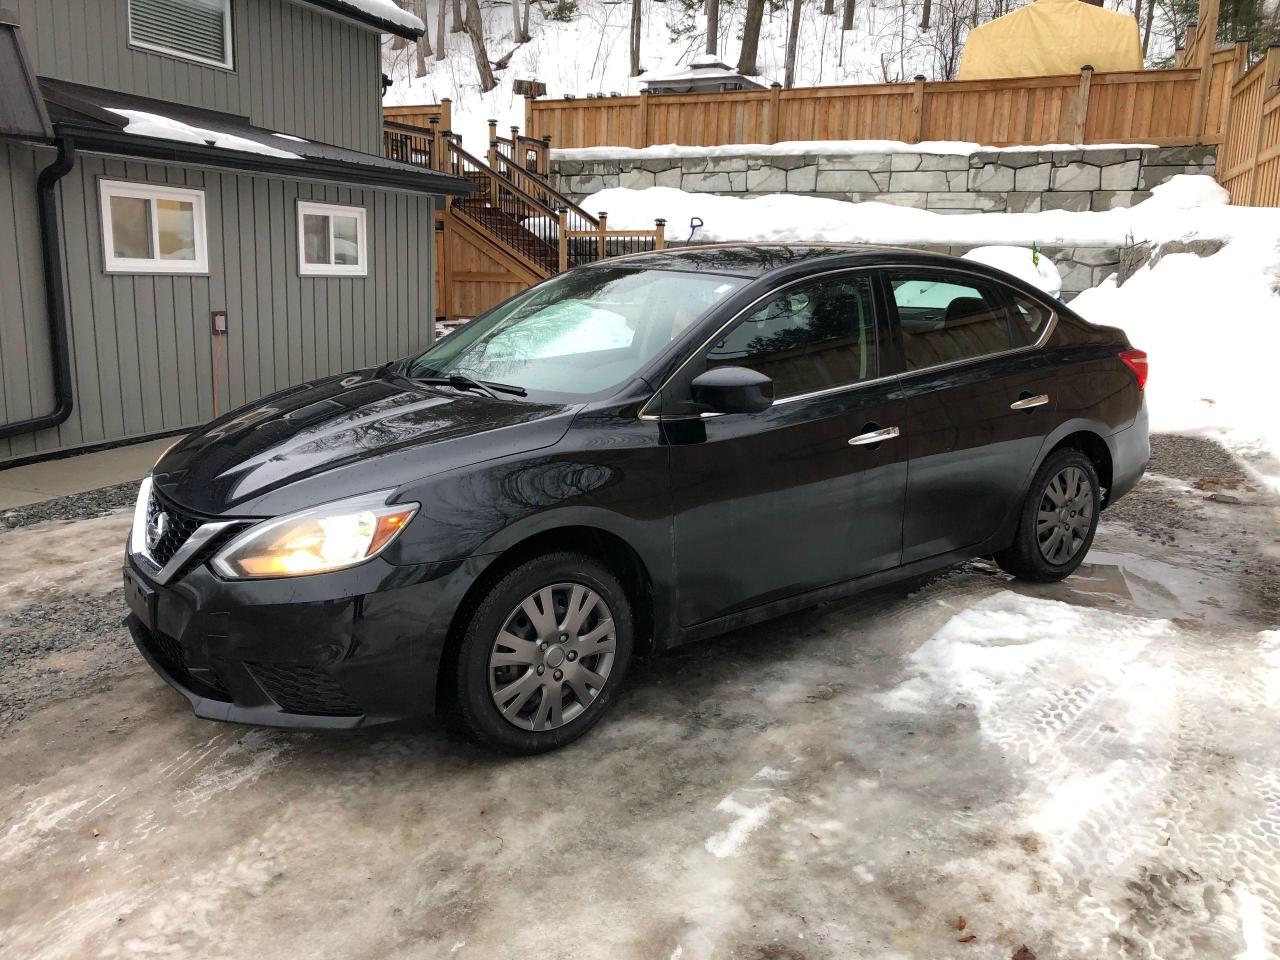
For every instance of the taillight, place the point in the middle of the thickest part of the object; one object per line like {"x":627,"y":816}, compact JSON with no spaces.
{"x":1136,"y":361}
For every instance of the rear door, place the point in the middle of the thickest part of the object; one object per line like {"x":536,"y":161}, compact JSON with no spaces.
{"x":979,"y":403}
{"x":773,"y":504}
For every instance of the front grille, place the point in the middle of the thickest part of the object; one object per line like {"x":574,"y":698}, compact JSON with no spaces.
{"x":302,"y":689}
{"x":180,"y":527}
{"x":168,"y":653}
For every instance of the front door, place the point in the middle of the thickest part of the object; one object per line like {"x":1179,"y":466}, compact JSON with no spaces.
{"x":774,"y":504}
{"x":979,"y":404}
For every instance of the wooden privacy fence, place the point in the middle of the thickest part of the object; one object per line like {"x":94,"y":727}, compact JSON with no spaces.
{"x":422,"y":115}
{"x":1165,"y":107}
{"x":1249,"y":160}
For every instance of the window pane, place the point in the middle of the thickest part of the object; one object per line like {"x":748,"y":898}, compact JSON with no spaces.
{"x":131,"y":228}
{"x":315,"y":238}
{"x":944,"y":320}
{"x":176,"y":225}
{"x":346,"y":243}
{"x":1029,"y":319}
{"x":816,"y":336}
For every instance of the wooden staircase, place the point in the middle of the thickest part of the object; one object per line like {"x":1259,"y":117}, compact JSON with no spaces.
{"x":515,"y":229}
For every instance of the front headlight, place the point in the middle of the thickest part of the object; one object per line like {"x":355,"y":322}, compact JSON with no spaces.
{"x":325,"y":538}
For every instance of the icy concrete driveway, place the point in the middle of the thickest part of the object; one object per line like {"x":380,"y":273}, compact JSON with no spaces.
{"x":1087,"y":770}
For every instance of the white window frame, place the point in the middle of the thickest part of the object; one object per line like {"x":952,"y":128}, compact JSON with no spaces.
{"x":147,"y":191}
{"x":226,"y":64}
{"x":331,"y":210}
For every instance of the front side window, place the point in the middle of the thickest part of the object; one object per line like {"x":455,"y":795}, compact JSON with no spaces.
{"x":331,"y":240}
{"x":815,"y":336}
{"x":580,"y":333}
{"x":153,"y":229}
{"x":197,"y":30}
{"x":946,"y":318}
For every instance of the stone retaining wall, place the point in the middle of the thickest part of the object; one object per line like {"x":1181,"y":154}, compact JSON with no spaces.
{"x":1013,"y":181}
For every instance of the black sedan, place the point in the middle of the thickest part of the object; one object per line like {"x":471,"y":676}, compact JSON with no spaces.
{"x":627,"y":457}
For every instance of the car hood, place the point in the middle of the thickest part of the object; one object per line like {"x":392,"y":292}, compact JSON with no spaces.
{"x":343,"y":436}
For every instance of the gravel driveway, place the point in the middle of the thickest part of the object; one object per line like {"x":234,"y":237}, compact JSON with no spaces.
{"x":962,"y":766}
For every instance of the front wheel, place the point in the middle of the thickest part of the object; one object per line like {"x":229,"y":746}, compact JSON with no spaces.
{"x":543,"y":654}
{"x":1058,"y":520}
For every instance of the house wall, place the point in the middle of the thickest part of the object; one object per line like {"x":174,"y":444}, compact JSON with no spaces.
{"x":143,"y":355}
{"x":296,"y":69}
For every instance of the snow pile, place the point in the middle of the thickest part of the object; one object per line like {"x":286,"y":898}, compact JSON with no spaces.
{"x":1184,"y":206}
{"x":1027,"y":265}
{"x":145,"y":124}
{"x":1211,"y":329}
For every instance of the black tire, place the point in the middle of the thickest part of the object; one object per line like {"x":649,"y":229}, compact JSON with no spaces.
{"x":1028,"y":558}
{"x":478,"y":682}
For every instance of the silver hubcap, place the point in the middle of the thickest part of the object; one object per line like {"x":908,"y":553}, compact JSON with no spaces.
{"x":552,"y":656}
{"x":1066,"y":513}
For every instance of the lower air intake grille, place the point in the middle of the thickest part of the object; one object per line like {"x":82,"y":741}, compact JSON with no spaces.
{"x":301,"y":689}
{"x":168,"y":653}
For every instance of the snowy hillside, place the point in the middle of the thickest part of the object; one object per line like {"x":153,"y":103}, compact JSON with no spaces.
{"x":588,"y":53}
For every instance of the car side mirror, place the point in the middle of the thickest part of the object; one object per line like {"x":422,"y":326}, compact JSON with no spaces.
{"x":733,"y":390}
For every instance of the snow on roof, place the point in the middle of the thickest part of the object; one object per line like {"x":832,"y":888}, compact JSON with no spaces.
{"x":384,"y":11}
{"x":143,"y":124}
{"x":694,"y":71}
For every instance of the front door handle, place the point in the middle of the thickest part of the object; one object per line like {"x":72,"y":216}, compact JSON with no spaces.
{"x":1028,"y":403}
{"x":875,"y":436}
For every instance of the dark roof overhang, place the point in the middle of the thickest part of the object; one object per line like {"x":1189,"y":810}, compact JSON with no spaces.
{"x":22,"y":112}
{"x":86,"y":115}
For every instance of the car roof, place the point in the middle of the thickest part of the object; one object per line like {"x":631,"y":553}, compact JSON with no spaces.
{"x":757,"y":259}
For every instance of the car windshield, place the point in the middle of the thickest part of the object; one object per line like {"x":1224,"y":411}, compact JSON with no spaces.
{"x":580,"y":333}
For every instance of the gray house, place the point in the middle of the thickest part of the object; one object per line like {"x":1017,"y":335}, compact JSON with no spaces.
{"x":195,"y":212}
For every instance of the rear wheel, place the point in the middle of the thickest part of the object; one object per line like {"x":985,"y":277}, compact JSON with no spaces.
{"x":1058,"y":520}
{"x":545,"y":650}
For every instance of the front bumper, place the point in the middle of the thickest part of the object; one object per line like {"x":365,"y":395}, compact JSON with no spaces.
{"x":350,"y":649}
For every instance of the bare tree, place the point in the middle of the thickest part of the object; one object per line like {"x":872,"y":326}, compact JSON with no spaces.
{"x":793,"y":41}
{"x":751,"y":38}
{"x":440,"y":47}
{"x":713,"y":26}
{"x":636,"y":69}
{"x":828,"y":8}
{"x":1146,"y":27}
{"x":926,"y":12}
{"x":524,"y":26}
{"x":398,"y":42}
{"x":458,"y":25}
{"x":846,"y":22}
{"x":518,"y":33}
{"x":474,"y":26}
{"x":421,"y":49}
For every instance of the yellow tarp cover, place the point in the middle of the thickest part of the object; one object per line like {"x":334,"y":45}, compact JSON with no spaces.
{"x":1050,"y":37}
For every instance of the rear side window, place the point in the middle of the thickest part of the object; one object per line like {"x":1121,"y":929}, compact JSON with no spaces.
{"x":1029,"y":319}
{"x":945,"y":319}
{"x":814,"y":336}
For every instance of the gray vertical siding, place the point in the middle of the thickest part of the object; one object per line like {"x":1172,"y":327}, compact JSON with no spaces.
{"x":296,"y":69}
{"x":143,"y":356}
{"x":26,"y":388}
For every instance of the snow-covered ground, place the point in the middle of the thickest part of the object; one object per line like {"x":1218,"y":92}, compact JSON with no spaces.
{"x":1210,"y":325}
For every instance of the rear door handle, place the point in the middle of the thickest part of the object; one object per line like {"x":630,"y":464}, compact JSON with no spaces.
{"x":875,"y":436}
{"x":1027,"y":403}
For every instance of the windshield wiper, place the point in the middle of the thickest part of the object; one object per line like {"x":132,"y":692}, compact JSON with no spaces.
{"x":461,"y":381}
